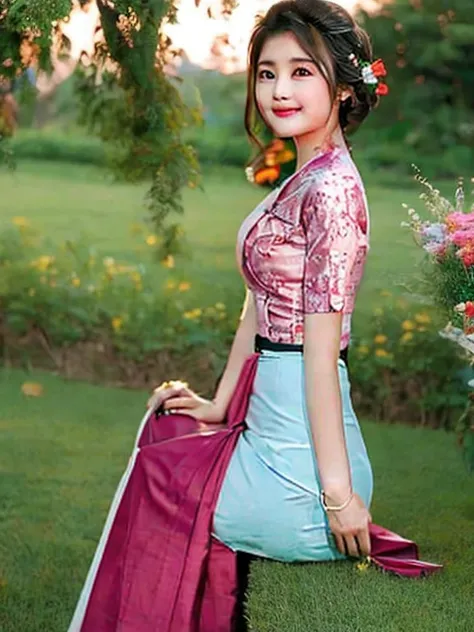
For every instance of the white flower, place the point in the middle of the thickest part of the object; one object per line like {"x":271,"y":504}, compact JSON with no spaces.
{"x":368,"y":75}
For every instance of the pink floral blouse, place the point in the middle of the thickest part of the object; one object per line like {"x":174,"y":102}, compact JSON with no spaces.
{"x":303,"y":249}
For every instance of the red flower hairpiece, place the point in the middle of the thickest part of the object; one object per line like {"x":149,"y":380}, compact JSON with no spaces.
{"x":371,"y":72}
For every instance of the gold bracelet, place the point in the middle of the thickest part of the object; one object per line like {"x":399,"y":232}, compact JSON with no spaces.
{"x":335,"y":507}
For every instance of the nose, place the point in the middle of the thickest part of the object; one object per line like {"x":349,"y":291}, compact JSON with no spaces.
{"x":282,"y":88}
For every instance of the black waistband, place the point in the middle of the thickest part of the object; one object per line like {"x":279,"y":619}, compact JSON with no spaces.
{"x":265,"y":343}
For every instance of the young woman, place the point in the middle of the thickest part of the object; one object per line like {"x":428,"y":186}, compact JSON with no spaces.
{"x":289,"y":477}
{"x":301,"y":254}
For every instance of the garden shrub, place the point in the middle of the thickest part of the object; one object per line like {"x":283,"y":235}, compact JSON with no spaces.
{"x":67,"y":298}
{"x":58,"y":146}
{"x":84,"y":315}
{"x":401,"y":369}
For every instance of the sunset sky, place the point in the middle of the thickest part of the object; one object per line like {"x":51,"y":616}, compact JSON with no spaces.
{"x":195,"y":32}
{"x":218,"y":43}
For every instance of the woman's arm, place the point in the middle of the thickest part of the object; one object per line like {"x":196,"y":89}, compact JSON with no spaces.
{"x":242,"y":347}
{"x":322,"y":334}
{"x":349,"y":525}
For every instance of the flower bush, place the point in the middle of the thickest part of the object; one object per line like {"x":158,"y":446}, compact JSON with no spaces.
{"x":402,"y":371}
{"x":67,"y":308}
{"x":62,"y":296}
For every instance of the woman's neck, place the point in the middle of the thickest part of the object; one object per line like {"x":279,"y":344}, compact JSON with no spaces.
{"x":316,"y":143}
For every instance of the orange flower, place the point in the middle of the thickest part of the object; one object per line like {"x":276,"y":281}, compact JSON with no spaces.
{"x":382,"y":89}
{"x":378,"y":68}
{"x":269,"y":174}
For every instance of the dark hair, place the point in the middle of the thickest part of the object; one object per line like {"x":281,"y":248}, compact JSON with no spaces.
{"x":329,"y":34}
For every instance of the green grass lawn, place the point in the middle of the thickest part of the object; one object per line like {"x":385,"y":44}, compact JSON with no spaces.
{"x":64,"y":200}
{"x":61,"y":457}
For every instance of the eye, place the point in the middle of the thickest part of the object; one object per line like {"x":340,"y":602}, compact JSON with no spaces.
{"x":265,"y":75}
{"x":302,"y":72}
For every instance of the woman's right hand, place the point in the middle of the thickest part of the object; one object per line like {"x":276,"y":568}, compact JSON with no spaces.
{"x":174,"y":388}
{"x":350,"y":528}
{"x":177,"y":397}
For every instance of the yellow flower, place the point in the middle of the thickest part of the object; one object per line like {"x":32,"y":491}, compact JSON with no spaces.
{"x":192,"y":314}
{"x":385,"y":293}
{"x":407,"y":336}
{"x":117,"y":323}
{"x":382,"y":353}
{"x":422,"y":329}
{"x":151,"y":240}
{"x":378,"y":311}
{"x":220,"y":306}
{"x":184,"y":286}
{"x":31,"y":291}
{"x":364,"y":565}
{"x":423,"y":318}
{"x":109,"y":262}
{"x":363,"y":349}
{"x":136,"y":277}
{"x":168,"y":262}
{"x":380,"y":339}
{"x":170,"y":284}
{"x":21,"y":222}
{"x":76,"y":282}
{"x":43,"y":262}
{"x":408,"y":325}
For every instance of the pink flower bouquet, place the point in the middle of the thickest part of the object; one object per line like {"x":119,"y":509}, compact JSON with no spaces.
{"x":448,"y":240}
{"x":448,"y":275}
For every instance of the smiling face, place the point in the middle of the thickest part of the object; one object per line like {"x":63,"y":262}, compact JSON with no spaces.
{"x":291,"y":94}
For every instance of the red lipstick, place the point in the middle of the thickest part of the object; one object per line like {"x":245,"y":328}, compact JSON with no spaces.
{"x":283,"y":113}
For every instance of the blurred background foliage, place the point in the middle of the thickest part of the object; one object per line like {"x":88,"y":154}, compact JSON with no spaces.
{"x":427,"y":119}
{"x":428,"y":47}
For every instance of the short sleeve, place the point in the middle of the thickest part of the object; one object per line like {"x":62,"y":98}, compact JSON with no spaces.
{"x":335,"y":222}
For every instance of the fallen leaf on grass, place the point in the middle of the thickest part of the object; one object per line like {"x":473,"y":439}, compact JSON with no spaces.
{"x":32,"y":389}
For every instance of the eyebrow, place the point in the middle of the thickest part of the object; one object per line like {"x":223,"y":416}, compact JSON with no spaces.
{"x":293,"y":60}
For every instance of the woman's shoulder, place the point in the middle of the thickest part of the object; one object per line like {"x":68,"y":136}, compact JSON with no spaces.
{"x":338,"y":175}
{"x":336,"y":197}
{"x":329,"y":184}
{"x":336,"y":189}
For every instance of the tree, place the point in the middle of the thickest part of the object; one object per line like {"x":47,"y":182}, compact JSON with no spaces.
{"x":126,"y":97}
{"x":428,"y":47}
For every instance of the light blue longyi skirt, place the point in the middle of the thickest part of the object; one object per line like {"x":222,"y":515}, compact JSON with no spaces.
{"x":269,"y":504}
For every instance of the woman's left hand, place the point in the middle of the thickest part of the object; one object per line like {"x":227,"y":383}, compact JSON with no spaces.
{"x":350,"y":528}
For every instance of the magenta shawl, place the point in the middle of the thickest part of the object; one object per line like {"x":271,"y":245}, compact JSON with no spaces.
{"x":157,"y":568}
